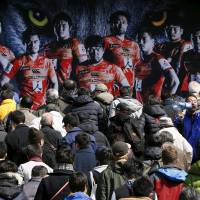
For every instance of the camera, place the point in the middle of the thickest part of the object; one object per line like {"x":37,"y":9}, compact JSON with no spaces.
{"x":179,"y":106}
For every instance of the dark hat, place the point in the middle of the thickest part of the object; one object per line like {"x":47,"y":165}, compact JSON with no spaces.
{"x":120,"y":149}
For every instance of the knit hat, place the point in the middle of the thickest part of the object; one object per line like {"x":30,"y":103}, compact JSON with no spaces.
{"x":101,"y":87}
{"x":194,"y":87}
{"x":166,"y":121}
{"x":120,"y":149}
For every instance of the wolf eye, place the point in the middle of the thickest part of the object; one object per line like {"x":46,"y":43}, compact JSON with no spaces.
{"x":37,"y":18}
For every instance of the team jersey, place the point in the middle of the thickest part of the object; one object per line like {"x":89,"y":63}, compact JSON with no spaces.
{"x":4,"y":51}
{"x":33,"y":77}
{"x":89,"y":76}
{"x":64,"y":52}
{"x":124,"y":53}
{"x":191,"y":68}
{"x":150,"y":76}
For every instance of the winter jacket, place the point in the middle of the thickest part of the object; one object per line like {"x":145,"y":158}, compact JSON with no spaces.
{"x":168,"y":182}
{"x":91,"y":128}
{"x":10,"y":185}
{"x":85,"y":103}
{"x":69,"y":139}
{"x":29,"y":189}
{"x":50,"y":185}
{"x":7,"y":106}
{"x":16,"y":141}
{"x":193,"y":178}
{"x":84,"y":160}
{"x":78,"y":196}
{"x":110,"y":179}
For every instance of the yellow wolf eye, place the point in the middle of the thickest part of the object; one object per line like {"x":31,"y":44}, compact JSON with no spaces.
{"x":37,"y":18}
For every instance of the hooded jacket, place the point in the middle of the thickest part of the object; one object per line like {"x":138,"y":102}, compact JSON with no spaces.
{"x":168,"y":182}
{"x":78,"y":196}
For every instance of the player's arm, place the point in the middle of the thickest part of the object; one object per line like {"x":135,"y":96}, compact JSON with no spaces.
{"x":170,"y":75}
{"x":53,"y":77}
{"x":120,"y":77}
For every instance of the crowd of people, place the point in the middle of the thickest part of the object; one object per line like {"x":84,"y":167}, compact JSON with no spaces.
{"x":109,"y":119}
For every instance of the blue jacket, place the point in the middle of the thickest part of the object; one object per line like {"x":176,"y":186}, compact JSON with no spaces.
{"x":191,"y":132}
{"x":78,"y":196}
{"x":69,"y":139}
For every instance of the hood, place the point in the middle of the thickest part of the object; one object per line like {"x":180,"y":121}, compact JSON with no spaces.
{"x":82,"y":99}
{"x":173,"y":174}
{"x":154,"y":110}
{"x":117,"y":166}
{"x":195,"y":169}
{"x":78,"y":196}
{"x":89,"y":127}
{"x":105,"y":98}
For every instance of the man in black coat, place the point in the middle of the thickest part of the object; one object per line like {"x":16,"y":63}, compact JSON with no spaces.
{"x":18,"y":138}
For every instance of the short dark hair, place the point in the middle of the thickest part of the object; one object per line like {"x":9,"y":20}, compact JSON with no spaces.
{"x":125,"y":91}
{"x":26,"y":102}
{"x":3,"y":149}
{"x":169,"y":154}
{"x":69,"y":84}
{"x":71,"y":119}
{"x":191,"y":95}
{"x":33,"y":150}
{"x":148,"y":30}
{"x":142,"y":187}
{"x":133,"y":168}
{"x":39,"y":171}
{"x":189,"y":193}
{"x":114,"y":16}
{"x":82,"y":139}
{"x":7,"y":94}
{"x":35,"y":136}
{"x":64,"y":155}
{"x":28,"y":33}
{"x":78,"y":182}
{"x":62,"y":16}
{"x":17,"y":117}
{"x":94,"y":41}
{"x":104,"y":155}
{"x":83,"y":91}
{"x":8,"y":166}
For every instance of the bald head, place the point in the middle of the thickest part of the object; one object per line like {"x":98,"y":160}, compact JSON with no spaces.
{"x":46,"y":120}
{"x":69,"y":84}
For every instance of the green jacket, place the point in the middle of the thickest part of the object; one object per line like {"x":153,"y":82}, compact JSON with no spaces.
{"x":110,"y":179}
{"x":193,"y":178}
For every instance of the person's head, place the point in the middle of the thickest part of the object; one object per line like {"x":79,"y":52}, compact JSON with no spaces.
{"x":35,"y":136}
{"x":82,"y":140}
{"x":70,"y":121}
{"x":146,"y":40}
{"x":26,"y":102}
{"x":64,"y":155}
{"x":120,"y":150}
{"x":94,"y":47}
{"x":78,"y":182}
{"x":52,"y":96}
{"x":123,"y":109}
{"x":99,"y":88}
{"x":174,"y":32}
{"x":143,"y":187}
{"x":62,"y":26}
{"x":104,"y":155}
{"x":169,"y":154}
{"x":83,"y":91}
{"x":34,"y":150}
{"x":70,"y":87}
{"x":3,"y":150}
{"x":7,"y":94}
{"x":17,"y":117}
{"x":125,"y":91}
{"x":31,"y":40}
{"x":119,"y":22}
{"x":195,"y":38}
{"x":46,"y":119}
{"x":52,"y":107}
{"x":193,"y":100}
{"x":39,"y":171}
{"x":133,"y":169}
{"x":8,"y":166}
{"x":189,"y":193}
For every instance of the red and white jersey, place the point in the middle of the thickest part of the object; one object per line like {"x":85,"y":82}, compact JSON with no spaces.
{"x":64,"y":52}
{"x":124,"y":53}
{"x":150,"y":76}
{"x":104,"y":72}
{"x":33,"y":77}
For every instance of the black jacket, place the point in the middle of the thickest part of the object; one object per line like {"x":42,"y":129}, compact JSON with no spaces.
{"x":16,"y":141}
{"x":50,"y":185}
